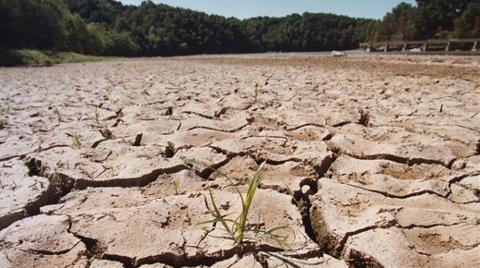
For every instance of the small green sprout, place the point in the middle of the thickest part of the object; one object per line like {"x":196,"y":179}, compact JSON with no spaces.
{"x":176,"y":185}
{"x":256,"y":92}
{"x":239,"y":229}
{"x":327,"y":120}
{"x":56,"y":111}
{"x":3,"y":115}
{"x":3,"y":112}
{"x":97,"y":116}
{"x":76,"y":143}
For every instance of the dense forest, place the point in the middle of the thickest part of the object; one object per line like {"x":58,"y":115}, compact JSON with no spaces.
{"x":107,"y":27}
{"x":431,"y":19}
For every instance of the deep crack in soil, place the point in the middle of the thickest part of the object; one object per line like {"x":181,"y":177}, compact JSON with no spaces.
{"x":374,"y":161}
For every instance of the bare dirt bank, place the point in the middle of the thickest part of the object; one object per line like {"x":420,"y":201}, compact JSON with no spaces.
{"x":371,"y":161}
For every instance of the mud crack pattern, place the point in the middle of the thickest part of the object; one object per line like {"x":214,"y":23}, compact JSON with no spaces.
{"x":109,"y":164}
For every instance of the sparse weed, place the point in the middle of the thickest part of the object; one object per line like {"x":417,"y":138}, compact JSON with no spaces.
{"x":97,"y":116}
{"x":364,"y":117}
{"x":103,"y":129}
{"x":176,"y":185}
{"x":3,"y":114}
{"x":56,"y":111}
{"x":328,"y":120}
{"x":256,"y":92}
{"x":239,"y":229}
{"x":76,"y":143}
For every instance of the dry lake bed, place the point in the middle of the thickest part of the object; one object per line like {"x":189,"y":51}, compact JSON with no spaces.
{"x":369,"y":162}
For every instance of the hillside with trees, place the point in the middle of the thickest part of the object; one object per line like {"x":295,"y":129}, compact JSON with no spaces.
{"x":431,"y":19}
{"x":107,"y":27}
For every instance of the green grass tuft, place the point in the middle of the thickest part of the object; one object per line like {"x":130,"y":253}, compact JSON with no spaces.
{"x":256,"y":92}
{"x":76,"y":143}
{"x":57,"y":113}
{"x":3,"y":115}
{"x":238,"y":229}
{"x":176,"y":185}
{"x":3,"y":112}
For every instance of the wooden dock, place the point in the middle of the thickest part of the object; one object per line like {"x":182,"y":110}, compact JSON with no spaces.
{"x":471,"y":46}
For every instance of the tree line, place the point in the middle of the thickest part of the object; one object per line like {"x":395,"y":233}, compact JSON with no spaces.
{"x":431,"y":19}
{"x":107,"y":27}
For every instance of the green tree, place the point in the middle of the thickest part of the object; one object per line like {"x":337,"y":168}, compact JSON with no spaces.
{"x":107,"y":27}
{"x":399,"y":24}
{"x":28,"y":24}
{"x":468,"y":24}
{"x":436,"y":18}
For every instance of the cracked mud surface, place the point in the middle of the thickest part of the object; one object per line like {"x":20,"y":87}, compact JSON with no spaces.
{"x":370,"y":161}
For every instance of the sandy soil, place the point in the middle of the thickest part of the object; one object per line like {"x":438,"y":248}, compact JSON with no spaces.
{"x":371,"y":161}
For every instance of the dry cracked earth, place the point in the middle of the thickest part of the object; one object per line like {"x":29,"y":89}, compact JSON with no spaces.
{"x":371,"y":162}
